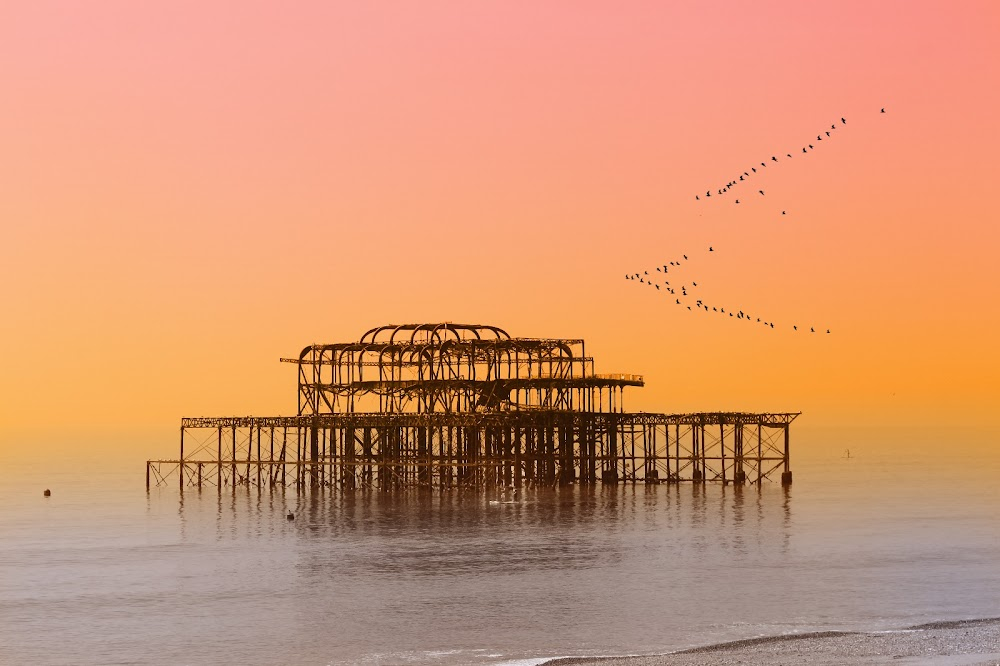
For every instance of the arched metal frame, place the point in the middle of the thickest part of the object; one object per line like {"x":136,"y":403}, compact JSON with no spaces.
{"x":453,"y":368}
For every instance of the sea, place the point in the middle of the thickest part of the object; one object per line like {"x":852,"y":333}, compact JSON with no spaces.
{"x":875,"y":534}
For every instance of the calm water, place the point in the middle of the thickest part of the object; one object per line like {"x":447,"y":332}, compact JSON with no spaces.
{"x":101,"y":573}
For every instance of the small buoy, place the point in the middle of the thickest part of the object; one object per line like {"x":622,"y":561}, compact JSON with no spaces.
{"x":47,"y":493}
{"x":290,"y":516}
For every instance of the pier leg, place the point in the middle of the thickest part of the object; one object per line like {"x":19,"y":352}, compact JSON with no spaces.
{"x":696,"y":475}
{"x":722,"y":451}
{"x":232,"y":470}
{"x":180,"y":466}
{"x":786,"y":476}
{"x":567,"y":466}
{"x":609,"y":470}
{"x":518,"y":447}
{"x":218,"y":462}
{"x":760,"y":472}
{"x":313,"y":455}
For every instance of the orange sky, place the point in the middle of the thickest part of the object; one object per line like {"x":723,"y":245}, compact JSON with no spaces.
{"x":190,"y":190}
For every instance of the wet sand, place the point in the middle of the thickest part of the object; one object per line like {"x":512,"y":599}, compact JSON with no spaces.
{"x":961,"y":643}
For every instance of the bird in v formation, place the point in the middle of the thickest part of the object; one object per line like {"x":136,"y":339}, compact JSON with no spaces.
{"x":700,"y":304}
{"x":774,"y":158}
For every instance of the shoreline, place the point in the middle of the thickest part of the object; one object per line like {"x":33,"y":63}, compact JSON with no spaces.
{"x":972,"y":642}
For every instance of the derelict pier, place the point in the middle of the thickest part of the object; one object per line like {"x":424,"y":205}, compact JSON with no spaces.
{"x":456,"y":405}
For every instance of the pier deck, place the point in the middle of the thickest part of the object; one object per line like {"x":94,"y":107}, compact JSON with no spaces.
{"x":384,"y":451}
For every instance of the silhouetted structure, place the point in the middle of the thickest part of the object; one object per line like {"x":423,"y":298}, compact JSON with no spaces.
{"x":468,"y":405}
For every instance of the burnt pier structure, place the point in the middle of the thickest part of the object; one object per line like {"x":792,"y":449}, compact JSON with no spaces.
{"x":458,"y":405}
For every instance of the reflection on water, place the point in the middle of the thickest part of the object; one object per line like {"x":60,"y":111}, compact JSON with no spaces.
{"x":446,"y":577}
{"x":430,"y":532}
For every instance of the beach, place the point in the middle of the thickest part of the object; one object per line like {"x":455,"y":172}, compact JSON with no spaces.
{"x":961,"y":643}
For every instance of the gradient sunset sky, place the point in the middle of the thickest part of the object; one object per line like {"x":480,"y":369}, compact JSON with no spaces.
{"x":189,"y":190}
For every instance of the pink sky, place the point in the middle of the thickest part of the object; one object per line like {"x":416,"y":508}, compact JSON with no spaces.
{"x":188,"y":192}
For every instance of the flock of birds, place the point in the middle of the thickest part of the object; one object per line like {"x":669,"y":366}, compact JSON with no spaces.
{"x":686,"y":290}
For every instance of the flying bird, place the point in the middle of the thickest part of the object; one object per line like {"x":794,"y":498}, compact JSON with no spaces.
{"x":773,"y":158}
{"x":761,"y":192}
{"x":883,"y":110}
{"x":843,"y":121}
{"x":710,"y":249}
{"x":782,"y":212}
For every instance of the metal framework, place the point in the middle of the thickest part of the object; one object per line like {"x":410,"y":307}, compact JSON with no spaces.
{"x":454,"y":405}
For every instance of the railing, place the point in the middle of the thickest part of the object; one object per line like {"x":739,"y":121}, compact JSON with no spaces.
{"x":620,"y":377}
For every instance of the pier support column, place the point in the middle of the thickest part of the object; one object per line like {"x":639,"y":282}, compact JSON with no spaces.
{"x":518,"y":446}
{"x":567,"y":466}
{"x":347,"y":476}
{"x":697,"y":475}
{"x":314,"y":454}
{"x":180,"y":466}
{"x":423,"y":456}
{"x":609,"y":470}
{"x":786,"y":475}
{"x":739,"y":476}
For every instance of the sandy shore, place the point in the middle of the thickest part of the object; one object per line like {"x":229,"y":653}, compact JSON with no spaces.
{"x":963,"y":643}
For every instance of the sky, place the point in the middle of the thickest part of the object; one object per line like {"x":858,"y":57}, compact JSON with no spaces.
{"x":190,"y":190}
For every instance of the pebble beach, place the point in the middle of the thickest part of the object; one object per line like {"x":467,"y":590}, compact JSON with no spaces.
{"x":960,"y":643}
